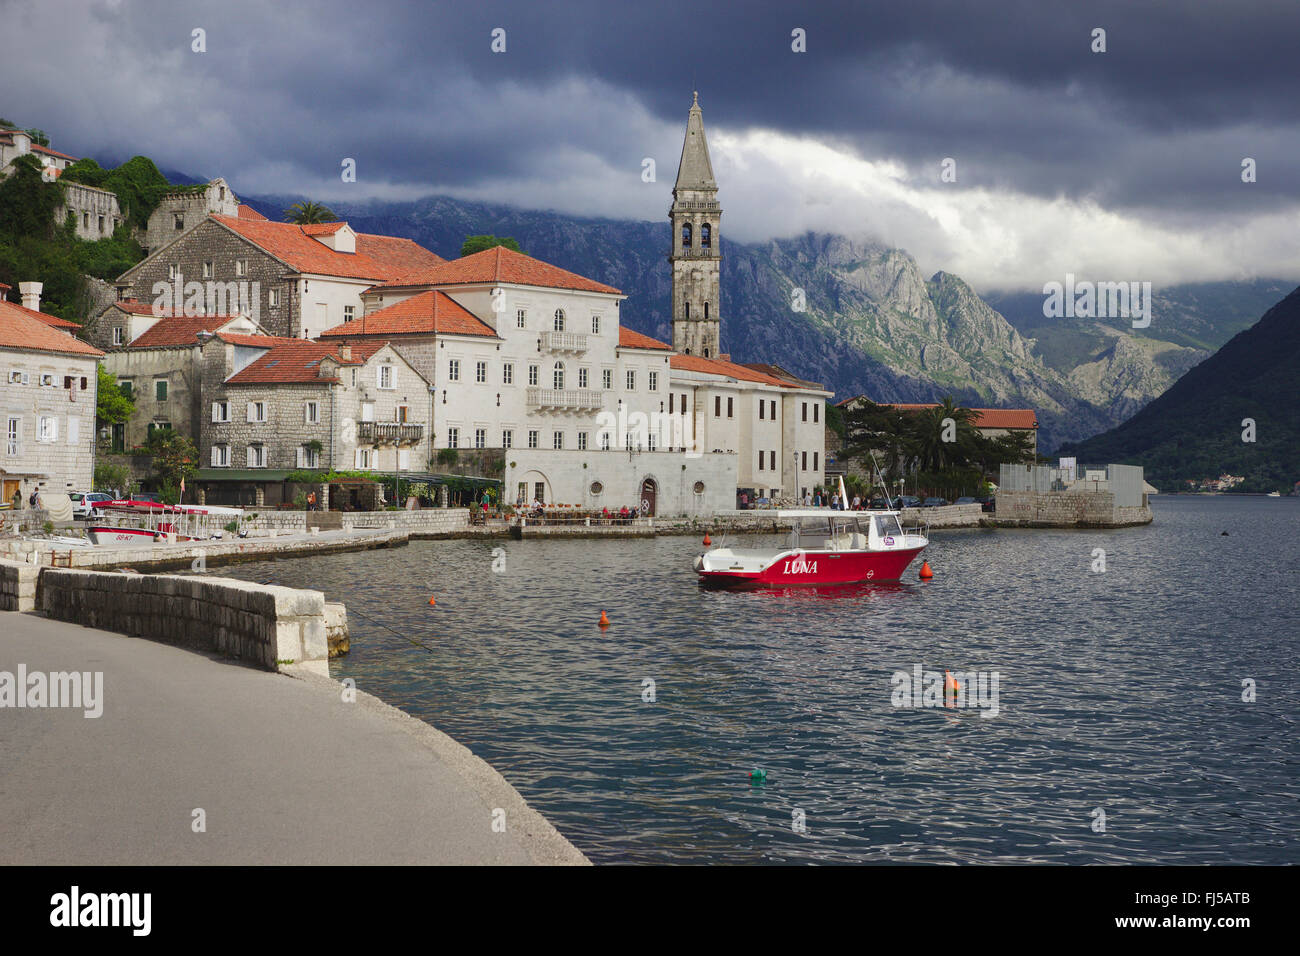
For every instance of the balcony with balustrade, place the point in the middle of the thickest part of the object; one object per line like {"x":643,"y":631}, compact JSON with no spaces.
{"x":564,"y":341}
{"x":389,"y":433}
{"x":565,"y":399}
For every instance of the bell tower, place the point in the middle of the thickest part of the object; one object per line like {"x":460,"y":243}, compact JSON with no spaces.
{"x":696,"y":255}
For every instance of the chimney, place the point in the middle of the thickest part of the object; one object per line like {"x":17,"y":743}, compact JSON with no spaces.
{"x":31,"y":293}
{"x":345,"y":353}
{"x":4,"y":292}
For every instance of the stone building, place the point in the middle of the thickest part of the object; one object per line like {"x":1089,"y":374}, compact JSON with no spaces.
{"x":305,"y":405}
{"x":95,"y":212}
{"x":16,"y":142}
{"x":292,"y":280}
{"x":48,"y":388}
{"x":183,"y":209}
{"x":160,"y":367}
{"x":696,"y":255}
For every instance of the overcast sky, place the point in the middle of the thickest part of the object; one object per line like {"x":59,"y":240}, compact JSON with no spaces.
{"x":1125,"y":164}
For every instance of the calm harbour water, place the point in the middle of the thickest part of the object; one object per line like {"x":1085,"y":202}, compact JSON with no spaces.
{"x":1119,"y":690}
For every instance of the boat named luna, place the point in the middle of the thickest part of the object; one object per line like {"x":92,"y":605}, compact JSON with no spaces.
{"x":824,"y":547}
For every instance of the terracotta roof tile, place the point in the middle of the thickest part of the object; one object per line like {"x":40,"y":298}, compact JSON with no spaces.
{"x":20,"y":330}
{"x":53,"y":321}
{"x":427,"y":312}
{"x":179,"y":330}
{"x":694,"y":363}
{"x":984,"y":417}
{"x":246,"y":211}
{"x":298,"y":360}
{"x":499,"y":264}
{"x":628,"y":339}
{"x":378,"y":258}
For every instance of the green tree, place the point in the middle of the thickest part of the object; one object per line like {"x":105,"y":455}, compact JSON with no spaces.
{"x":114,"y":405}
{"x":174,"y":456}
{"x":473,"y":244}
{"x":307,"y":213}
{"x":39,"y":136}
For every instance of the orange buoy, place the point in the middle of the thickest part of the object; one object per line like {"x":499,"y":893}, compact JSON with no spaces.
{"x":604,"y":621}
{"x":432,"y":602}
{"x":707,"y":540}
{"x":950,"y":687}
{"x":926,"y":573}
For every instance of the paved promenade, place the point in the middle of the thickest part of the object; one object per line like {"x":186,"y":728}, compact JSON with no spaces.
{"x":285,"y":771}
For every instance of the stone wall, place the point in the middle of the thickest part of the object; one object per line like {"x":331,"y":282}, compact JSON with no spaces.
{"x":262,"y":625}
{"x":1066,"y":510}
{"x":95,"y":211}
{"x":18,"y":586}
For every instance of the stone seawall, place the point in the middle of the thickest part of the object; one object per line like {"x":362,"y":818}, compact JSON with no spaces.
{"x":265,"y":626}
{"x":18,"y":586}
{"x":1092,"y":509}
{"x":767,"y":522}
{"x":425,"y":520}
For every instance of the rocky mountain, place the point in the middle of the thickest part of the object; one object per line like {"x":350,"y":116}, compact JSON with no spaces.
{"x":1199,"y":429}
{"x":855,"y":315}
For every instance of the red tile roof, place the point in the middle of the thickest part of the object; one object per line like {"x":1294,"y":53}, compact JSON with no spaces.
{"x":694,"y":363}
{"x":178,"y":330}
{"x":426,"y":313}
{"x":20,"y":330}
{"x":135,"y":307}
{"x":500,"y":264}
{"x":257,"y":341}
{"x":627,"y":339}
{"x":298,"y":360}
{"x":377,"y":258}
{"x":322,"y":228}
{"x":53,"y":321}
{"x":246,"y":211}
{"x":1024,"y":418}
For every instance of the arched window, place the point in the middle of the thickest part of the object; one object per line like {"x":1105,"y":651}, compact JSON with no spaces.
{"x":688,"y":310}
{"x":706,"y":353}
{"x":706,"y":235}
{"x":686,"y":235}
{"x":559,"y":320}
{"x":706,"y":310}
{"x":559,"y":376}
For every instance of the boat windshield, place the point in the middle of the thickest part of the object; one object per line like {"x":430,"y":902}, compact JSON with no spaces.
{"x":887,"y":525}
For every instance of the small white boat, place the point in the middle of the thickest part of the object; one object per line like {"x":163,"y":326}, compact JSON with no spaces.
{"x":128,"y":523}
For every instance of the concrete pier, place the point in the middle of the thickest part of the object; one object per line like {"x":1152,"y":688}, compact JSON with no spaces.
{"x":196,"y":760}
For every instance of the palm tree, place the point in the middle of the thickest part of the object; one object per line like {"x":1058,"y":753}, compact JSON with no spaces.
{"x":307,"y":213}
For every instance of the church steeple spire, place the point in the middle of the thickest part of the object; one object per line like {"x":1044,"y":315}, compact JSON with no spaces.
{"x":696,"y":255}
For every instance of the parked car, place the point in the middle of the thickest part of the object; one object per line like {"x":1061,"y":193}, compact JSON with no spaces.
{"x":908,"y":501}
{"x":966,"y":500}
{"x":83,"y":503}
{"x":934,"y":502}
{"x":877,"y":504}
{"x":146,"y":496}
{"x":987,"y":504}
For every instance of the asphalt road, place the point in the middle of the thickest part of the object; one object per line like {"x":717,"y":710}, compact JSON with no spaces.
{"x":284,"y":770}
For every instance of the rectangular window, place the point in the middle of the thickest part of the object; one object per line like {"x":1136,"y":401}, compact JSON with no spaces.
{"x":521,"y":319}
{"x":671,"y":397}
{"x":582,"y":441}
{"x":241,"y":269}
{"x":47,"y":379}
{"x":730,"y":406}
{"x":127,"y":386}
{"x":220,"y":456}
{"x":480,"y":372}
{"x":402,"y":414}
{"x":653,"y":384}
{"x":367,"y":411}
{"x":221,"y":411}
{"x":273,"y":298}
{"x":774,"y":409}
{"x":118,"y":440}
{"x":508,"y":438}
{"x":607,"y":378}
{"x":651,"y":440}
{"x":207,"y":269}
{"x":595,"y":325}
{"x":772,"y":460}
{"x":532,"y":375}
{"x":508,"y":373}
{"x":178,"y":221}
{"x":363,"y":457}
{"x":117,"y":335}
{"x":814,"y":455}
{"x":256,"y":456}
{"x":804,"y":462}
{"x":582,"y":378}
{"x":349,"y":313}
{"x":173,"y":270}
{"x":453,"y":437}
{"x":761,"y":407}
{"x":480,"y":438}
{"x":257,"y":411}
{"x":14,"y":443}
{"x":311,"y":413}
{"x":101,"y":225}
{"x":816,"y":408}
{"x":805,"y":411}
{"x":308,"y":457}
{"x":717,"y":406}
{"x":760,"y":461}
{"x":532,"y":438}
{"x":557,"y":440}
{"x":631,"y":380}
{"x":385,"y":376}
{"x":160,"y":390}
{"x":604,"y":441}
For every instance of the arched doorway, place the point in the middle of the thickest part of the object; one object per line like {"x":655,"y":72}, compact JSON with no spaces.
{"x":649,"y":492}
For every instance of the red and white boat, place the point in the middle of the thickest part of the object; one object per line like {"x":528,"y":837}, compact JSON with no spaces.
{"x":825,"y":547}
{"x":130,"y":523}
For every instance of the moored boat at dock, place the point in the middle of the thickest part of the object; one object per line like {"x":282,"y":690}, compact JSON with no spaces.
{"x":129,"y":523}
